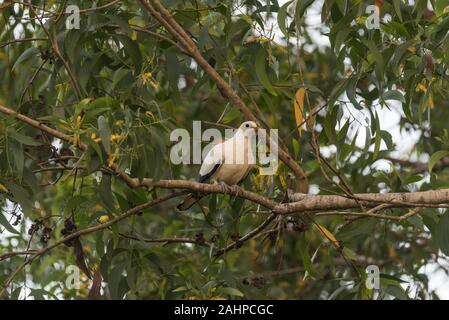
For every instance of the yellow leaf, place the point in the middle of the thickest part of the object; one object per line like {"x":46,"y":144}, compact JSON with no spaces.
{"x":3,"y":188}
{"x":134,"y":35}
{"x":411,"y":49}
{"x":328,"y":235}
{"x":282,"y":180}
{"x":431,"y":103}
{"x":299,"y":107}
{"x":325,"y":72}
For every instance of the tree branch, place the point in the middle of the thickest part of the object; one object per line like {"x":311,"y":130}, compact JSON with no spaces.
{"x":300,"y":203}
{"x":161,"y":14}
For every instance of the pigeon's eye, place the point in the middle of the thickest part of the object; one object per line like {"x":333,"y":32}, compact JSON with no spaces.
{"x":247,"y":125}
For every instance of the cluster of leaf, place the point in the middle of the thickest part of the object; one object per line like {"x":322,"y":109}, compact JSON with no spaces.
{"x":134,"y":88}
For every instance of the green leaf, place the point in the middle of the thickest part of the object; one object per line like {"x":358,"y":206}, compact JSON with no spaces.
{"x":262,"y":73}
{"x":5,"y":223}
{"x":412,"y":179}
{"x":21,"y":196}
{"x":387,"y":138}
{"x":376,"y":56}
{"x":393,"y":95}
{"x":132,"y":50}
{"x":442,"y":234}
{"x":437,"y":156}
{"x":106,"y":192}
{"x":282,"y":17}
{"x":301,"y":6}
{"x":26,"y":55}
{"x":378,"y":138}
{"x":23,"y":139}
{"x":351,"y":92}
{"x":105,"y":133}
{"x":338,"y":89}
{"x":16,"y":157}
{"x":397,"y":8}
{"x":440,"y":5}
{"x":180,"y":289}
{"x":232,"y":291}
{"x":304,"y":252}
{"x":349,"y":253}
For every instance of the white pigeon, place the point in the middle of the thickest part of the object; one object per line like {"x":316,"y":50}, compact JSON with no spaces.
{"x":224,"y":162}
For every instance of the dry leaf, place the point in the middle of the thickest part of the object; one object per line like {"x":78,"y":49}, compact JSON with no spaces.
{"x":3,"y":188}
{"x":327,"y":234}
{"x":431,"y":102}
{"x":299,"y":108}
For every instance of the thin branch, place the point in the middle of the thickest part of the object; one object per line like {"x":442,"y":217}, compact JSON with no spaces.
{"x":166,"y":241}
{"x":16,"y":253}
{"x":371,"y":215}
{"x":21,"y":40}
{"x":238,"y":243}
{"x":160,"y":36}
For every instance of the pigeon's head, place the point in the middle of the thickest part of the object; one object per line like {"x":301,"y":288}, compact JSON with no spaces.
{"x":248,"y":126}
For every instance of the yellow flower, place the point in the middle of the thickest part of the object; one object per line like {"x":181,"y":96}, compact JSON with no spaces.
{"x":113,"y":157}
{"x":94,"y":137}
{"x":116,"y":137}
{"x":103,"y":219}
{"x":148,"y":78}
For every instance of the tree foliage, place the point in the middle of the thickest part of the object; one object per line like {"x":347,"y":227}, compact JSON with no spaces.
{"x":117,"y":87}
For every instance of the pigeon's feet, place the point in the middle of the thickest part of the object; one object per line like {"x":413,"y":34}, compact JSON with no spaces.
{"x":236,"y":189}
{"x":231,"y":189}
{"x":226,"y":187}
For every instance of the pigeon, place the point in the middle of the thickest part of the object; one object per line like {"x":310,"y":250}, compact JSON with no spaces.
{"x":225,"y":163}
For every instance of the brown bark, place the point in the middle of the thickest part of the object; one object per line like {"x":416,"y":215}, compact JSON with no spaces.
{"x":299,"y":202}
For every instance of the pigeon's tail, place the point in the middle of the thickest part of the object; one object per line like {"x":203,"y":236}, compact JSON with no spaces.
{"x":188,"y":202}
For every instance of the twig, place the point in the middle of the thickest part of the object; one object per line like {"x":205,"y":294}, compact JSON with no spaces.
{"x":165,"y":241}
{"x":246,"y":237}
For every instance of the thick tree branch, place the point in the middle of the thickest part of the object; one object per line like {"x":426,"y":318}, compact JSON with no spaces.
{"x":299,"y":203}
